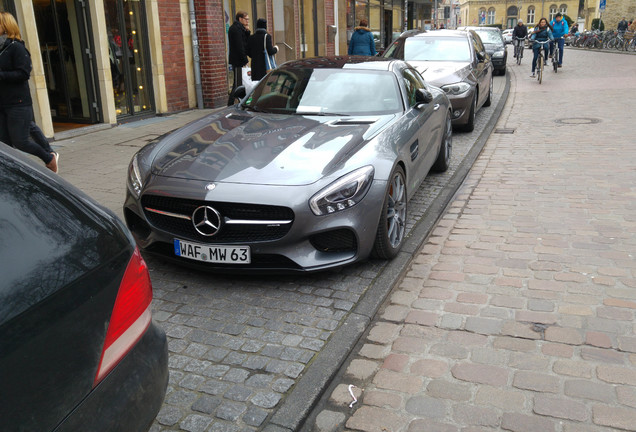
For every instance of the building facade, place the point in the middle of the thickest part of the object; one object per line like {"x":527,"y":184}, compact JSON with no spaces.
{"x":614,"y":11}
{"x":111,"y":61}
{"x":506,"y":13}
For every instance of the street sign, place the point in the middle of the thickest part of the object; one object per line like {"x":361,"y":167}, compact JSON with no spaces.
{"x":602,"y":5}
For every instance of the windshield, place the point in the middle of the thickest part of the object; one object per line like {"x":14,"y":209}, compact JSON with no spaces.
{"x":436,"y":49}
{"x":489,"y":37}
{"x":326,"y":92}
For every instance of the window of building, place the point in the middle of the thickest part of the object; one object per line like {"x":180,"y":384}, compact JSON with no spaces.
{"x":530,"y":19}
{"x":563,"y":9}
{"x":553,"y":12}
{"x":481,"y":16}
{"x":491,"y":16}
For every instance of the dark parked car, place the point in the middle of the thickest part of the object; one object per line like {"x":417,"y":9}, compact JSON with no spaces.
{"x":78,"y":348}
{"x":455,"y":61}
{"x":312,"y":170}
{"x":494,"y":43}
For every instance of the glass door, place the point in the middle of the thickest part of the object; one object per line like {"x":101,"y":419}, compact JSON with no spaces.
{"x":66,"y":44}
{"x":129,"y":56}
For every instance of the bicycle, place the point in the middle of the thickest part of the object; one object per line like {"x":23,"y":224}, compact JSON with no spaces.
{"x":519,"y":42}
{"x":541,"y":59}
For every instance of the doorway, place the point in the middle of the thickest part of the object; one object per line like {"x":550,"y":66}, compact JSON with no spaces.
{"x":69,"y":70}
{"x":128,"y":49}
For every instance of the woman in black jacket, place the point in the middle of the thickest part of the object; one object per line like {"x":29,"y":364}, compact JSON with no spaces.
{"x":256,"y":45}
{"x":16,"y":107}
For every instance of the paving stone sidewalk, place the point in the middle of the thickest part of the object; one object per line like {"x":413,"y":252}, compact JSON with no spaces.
{"x":518,"y":312}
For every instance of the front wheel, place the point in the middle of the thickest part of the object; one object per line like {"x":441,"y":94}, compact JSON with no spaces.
{"x":443,"y":157}
{"x":392,"y":227}
{"x":555,"y":62}
{"x":489,"y":100}
{"x":470,"y":125}
{"x":540,"y":68}
{"x":520,"y":55}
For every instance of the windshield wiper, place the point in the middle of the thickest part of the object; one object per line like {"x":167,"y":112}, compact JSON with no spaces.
{"x":252,"y":108}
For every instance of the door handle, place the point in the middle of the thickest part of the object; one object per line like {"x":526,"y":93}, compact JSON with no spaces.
{"x":435,"y":107}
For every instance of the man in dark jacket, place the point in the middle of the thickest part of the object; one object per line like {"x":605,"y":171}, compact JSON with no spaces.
{"x":520,"y":32}
{"x":237,"y":39}
{"x":623,"y":25}
{"x":362,"y":42}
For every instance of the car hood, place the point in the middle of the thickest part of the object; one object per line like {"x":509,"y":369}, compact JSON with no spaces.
{"x":442,"y":73}
{"x":236,"y":146}
{"x":492,"y":48}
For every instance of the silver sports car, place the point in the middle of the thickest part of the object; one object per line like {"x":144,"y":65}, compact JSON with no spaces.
{"x":312,"y":170}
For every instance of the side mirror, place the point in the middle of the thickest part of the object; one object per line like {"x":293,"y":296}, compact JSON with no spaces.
{"x":481,"y":56}
{"x":423,"y":96}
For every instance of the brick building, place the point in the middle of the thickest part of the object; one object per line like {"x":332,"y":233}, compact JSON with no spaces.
{"x":110,"y":61}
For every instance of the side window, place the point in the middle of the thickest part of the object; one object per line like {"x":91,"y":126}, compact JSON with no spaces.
{"x":412,"y":84}
{"x":478,"y":47}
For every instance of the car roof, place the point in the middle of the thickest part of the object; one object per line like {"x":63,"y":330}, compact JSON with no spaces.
{"x":435,"y":33}
{"x":342,"y":62}
{"x":480,"y":28}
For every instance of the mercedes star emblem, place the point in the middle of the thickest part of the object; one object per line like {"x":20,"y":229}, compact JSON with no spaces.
{"x":206,"y":220}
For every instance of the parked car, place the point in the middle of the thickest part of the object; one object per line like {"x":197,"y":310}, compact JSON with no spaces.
{"x":507,"y":35}
{"x":312,"y":170}
{"x":78,"y":348}
{"x":455,"y":61}
{"x":493,"y":42}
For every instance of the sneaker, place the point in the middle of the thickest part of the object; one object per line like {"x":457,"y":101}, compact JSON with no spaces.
{"x":533,"y":75}
{"x":560,"y":66}
{"x":53,"y":164}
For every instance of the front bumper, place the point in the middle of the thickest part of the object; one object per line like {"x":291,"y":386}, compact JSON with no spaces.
{"x":310,"y":243}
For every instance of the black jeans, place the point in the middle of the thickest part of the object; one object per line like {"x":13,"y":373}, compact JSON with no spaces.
{"x":238,"y":81}
{"x":15,"y":125}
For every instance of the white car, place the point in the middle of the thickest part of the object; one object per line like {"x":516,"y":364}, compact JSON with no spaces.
{"x":507,"y":35}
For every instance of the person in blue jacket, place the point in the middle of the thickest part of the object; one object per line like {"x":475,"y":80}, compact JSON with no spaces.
{"x":541,"y":33}
{"x":362,"y":42}
{"x":559,"y":30}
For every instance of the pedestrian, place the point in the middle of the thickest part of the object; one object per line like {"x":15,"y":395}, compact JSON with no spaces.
{"x":623,"y":25}
{"x":559,"y":28}
{"x":541,"y":33}
{"x":362,"y":42}
{"x":519,"y":33}
{"x":237,"y":36}
{"x":16,"y":107}
{"x":257,"y":44}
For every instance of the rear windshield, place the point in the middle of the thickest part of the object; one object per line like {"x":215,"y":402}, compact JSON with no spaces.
{"x":432,"y":49}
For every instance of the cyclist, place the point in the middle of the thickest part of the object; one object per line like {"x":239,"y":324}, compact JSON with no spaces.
{"x":518,"y":34}
{"x":541,"y":33}
{"x":559,"y":30}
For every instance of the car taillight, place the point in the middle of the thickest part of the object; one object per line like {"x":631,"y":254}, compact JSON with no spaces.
{"x":131,"y":315}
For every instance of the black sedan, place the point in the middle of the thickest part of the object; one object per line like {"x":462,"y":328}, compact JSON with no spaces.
{"x":78,"y":348}
{"x":312,"y":170}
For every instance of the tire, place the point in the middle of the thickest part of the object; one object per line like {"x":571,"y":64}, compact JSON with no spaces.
{"x":391,"y":231}
{"x":443,"y":157}
{"x":470,"y":125}
{"x":555,"y":62}
{"x":520,"y":55}
{"x":540,"y":68}
{"x":489,"y":100}
{"x":503,"y":71}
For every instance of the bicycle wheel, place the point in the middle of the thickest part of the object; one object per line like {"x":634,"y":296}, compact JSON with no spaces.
{"x":540,"y":68}
{"x":519,"y":54}
{"x":555,"y":61}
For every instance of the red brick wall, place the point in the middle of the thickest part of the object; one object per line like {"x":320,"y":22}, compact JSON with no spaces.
{"x":213,"y":58}
{"x":330,"y":47}
{"x":173,"y":55}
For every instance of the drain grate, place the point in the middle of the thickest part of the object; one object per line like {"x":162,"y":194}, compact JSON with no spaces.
{"x":504,"y":131}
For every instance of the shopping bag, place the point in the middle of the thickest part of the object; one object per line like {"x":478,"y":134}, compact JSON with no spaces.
{"x":270,"y":61}
{"x":247,"y":79}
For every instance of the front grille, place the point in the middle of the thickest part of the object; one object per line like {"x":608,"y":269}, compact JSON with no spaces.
{"x":234,"y":233}
{"x":341,"y":240}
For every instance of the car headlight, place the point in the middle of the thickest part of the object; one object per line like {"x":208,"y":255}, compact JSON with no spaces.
{"x":134,"y":177}
{"x":498,"y":54}
{"x":344,"y":193}
{"x":457,"y":88}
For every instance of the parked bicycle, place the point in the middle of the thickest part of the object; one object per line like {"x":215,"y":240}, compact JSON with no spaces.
{"x":518,"y":43}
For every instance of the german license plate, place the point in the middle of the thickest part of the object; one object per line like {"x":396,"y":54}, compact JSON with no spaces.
{"x":212,"y":254}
